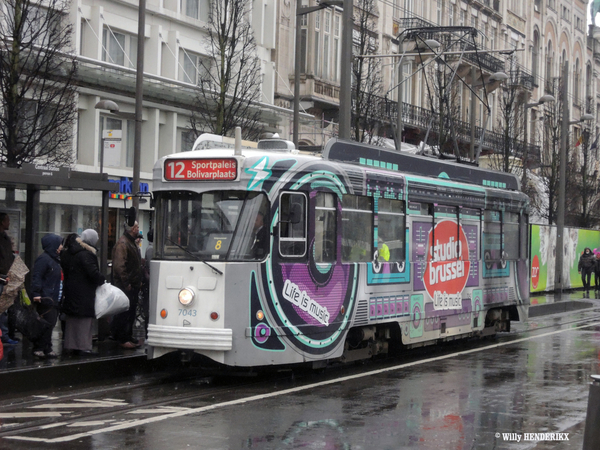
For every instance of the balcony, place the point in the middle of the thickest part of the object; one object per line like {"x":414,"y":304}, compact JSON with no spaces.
{"x":522,"y":78}
{"x":419,"y":118}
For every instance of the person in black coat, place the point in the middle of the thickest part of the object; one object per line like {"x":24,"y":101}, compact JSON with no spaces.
{"x":82,"y":277}
{"x":45,"y":290}
{"x":587,"y":264}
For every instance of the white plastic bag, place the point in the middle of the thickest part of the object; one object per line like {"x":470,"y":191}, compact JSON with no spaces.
{"x":110,"y":300}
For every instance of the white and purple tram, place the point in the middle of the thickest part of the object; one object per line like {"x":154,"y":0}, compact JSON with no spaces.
{"x":267,"y":257}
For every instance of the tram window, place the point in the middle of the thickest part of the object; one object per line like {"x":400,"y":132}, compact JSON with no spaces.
{"x":510,"y":229}
{"x":391,"y":230}
{"x":492,"y":236}
{"x":292,"y":225}
{"x":357,"y":228}
{"x":325,"y":228}
{"x":470,"y":219}
{"x":443,"y":213}
{"x":219,"y":225}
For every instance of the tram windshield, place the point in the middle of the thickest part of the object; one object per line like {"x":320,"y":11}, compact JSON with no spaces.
{"x":217,"y":225}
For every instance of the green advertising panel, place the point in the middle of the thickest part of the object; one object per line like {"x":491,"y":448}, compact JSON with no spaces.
{"x":543,"y":256}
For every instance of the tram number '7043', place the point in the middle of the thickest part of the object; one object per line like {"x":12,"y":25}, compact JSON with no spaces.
{"x":187,"y":312}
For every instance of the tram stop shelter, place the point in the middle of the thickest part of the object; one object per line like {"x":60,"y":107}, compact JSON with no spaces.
{"x":36,"y":178}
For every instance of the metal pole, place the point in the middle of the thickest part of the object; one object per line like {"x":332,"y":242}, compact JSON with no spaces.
{"x":591,"y":435}
{"x":104,"y":233}
{"x":298,"y":61}
{"x":560,"y":211}
{"x":139,"y":97}
{"x":525,"y":147}
{"x":399,"y":123}
{"x":473,"y":115}
{"x":102,"y":156}
{"x":346,"y":68}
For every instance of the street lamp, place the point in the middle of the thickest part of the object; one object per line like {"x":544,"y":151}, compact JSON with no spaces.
{"x":560,"y":210}
{"x":547,"y":98}
{"x":300,"y":11}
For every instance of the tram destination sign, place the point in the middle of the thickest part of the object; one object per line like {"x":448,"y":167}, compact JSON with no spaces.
{"x":201,"y":169}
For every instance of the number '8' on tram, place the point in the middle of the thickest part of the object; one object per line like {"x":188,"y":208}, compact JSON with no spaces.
{"x":270,"y":257}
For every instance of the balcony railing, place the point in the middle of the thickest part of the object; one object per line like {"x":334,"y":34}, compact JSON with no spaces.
{"x":417,"y":117}
{"x":522,"y":78}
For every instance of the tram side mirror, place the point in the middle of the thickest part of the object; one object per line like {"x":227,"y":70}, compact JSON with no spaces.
{"x":130,"y":216}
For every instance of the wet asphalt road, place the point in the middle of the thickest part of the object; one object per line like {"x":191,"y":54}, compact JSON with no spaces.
{"x":476,"y":395}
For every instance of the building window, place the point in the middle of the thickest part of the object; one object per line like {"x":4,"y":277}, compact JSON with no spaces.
{"x":535,"y":56}
{"x":119,"y":48}
{"x":188,"y":137}
{"x":317,"y":60}
{"x":576,"y":83}
{"x":196,"y":9}
{"x":193,"y":67}
{"x":326,"y":41}
{"x":397,"y":10}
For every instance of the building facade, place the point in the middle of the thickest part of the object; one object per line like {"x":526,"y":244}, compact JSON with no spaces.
{"x":527,"y":40}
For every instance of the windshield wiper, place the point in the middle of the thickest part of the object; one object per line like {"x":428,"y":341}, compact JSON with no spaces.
{"x":196,"y":257}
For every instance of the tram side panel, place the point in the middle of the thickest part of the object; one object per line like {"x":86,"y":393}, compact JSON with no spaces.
{"x":414,"y":262}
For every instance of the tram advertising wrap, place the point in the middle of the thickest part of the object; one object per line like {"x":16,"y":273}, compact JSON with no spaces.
{"x":543,"y":251}
{"x":269,"y":256}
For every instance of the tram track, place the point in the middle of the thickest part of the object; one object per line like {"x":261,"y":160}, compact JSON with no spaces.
{"x":201,"y":388}
{"x":165,"y":399}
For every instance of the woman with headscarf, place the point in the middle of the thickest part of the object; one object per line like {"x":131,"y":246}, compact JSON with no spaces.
{"x":82,"y":277}
{"x":45,"y":290}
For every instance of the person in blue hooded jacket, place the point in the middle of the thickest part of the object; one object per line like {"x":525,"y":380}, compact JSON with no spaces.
{"x":45,"y":290}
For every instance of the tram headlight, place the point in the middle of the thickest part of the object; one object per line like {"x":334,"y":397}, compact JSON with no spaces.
{"x":186,"y":296}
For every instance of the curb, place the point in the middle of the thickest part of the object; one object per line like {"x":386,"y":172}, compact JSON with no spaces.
{"x":558,"y":307}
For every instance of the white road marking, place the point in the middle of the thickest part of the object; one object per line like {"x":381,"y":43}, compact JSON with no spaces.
{"x":53,"y":425}
{"x":32,"y":439}
{"x":45,"y":396}
{"x":76,"y":405}
{"x":31,"y":415}
{"x":104,"y":402}
{"x":91,"y":423}
{"x":159,"y":409}
{"x":241,"y":401}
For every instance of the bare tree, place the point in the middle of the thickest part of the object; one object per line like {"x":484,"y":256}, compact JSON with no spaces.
{"x":368,"y":84}
{"x":37,"y":70}
{"x":586,"y":187}
{"x":229,"y":80}
{"x":551,"y":153}
{"x":443,"y":95}
{"x":510,"y":122}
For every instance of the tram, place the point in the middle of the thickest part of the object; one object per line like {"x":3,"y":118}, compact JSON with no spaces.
{"x":268,"y":256}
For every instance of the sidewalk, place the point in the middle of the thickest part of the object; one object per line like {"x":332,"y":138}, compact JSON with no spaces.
{"x":20,"y":370}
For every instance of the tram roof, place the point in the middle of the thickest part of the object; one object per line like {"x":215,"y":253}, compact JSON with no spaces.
{"x":371,"y":157}
{"x":381,"y":158}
